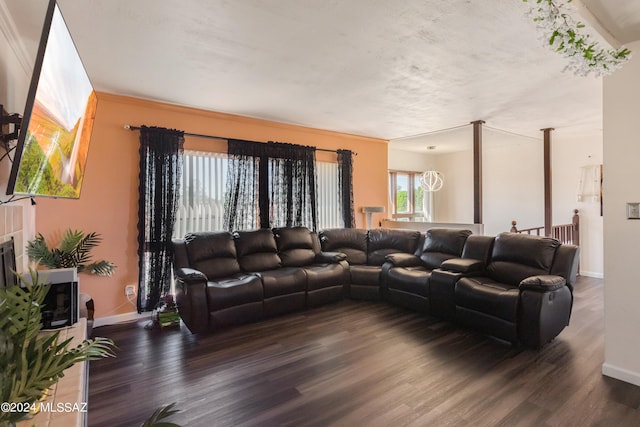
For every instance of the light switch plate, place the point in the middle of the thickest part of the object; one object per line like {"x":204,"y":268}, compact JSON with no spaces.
{"x":633,"y":210}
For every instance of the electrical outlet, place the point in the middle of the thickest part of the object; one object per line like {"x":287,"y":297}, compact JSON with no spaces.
{"x":129,"y":290}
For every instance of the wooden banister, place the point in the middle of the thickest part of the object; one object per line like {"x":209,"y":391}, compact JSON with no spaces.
{"x":566,"y":233}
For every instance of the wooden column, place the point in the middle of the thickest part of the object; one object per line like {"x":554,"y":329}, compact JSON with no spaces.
{"x":547,"y":182}
{"x":477,"y":171}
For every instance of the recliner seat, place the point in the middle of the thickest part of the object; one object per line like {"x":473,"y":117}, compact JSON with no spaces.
{"x":525,"y":294}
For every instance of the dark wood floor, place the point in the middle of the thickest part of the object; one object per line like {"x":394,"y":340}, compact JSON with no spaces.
{"x":360,"y":364}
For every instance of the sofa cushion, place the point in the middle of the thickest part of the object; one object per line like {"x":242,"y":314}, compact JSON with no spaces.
{"x":213,"y":254}
{"x":367,"y":275}
{"x":234,"y":291}
{"x":485,"y":295}
{"x":413,"y":280}
{"x":295,"y":246}
{"x":441,"y":244}
{"x":518,"y":256}
{"x":350,"y":241}
{"x":257,"y":250}
{"x":383,"y":242}
{"x":283,"y":281}
{"x":321,"y":276}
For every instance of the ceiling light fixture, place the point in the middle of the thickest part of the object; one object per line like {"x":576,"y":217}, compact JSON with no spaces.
{"x":563,"y":34}
{"x":432,"y":181}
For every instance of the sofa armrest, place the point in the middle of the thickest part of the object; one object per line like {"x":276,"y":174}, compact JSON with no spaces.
{"x":543,"y":283}
{"x":191,"y":299}
{"x":330,"y":257}
{"x":403,"y":260}
{"x":463,"y":265}
{"x":189,"y":276}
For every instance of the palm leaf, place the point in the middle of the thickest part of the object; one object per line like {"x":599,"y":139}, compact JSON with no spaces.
{"x":32,"y":362}
{"x":38,"y":251}
{"x":70,"y":240}
{"x":101,"y":268}
{"x":160,"y":414}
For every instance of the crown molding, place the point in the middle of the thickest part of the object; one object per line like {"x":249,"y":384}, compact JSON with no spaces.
{"x":10,"y":31}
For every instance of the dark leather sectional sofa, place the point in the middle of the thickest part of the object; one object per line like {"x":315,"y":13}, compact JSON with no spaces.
{"x":517,"y":288}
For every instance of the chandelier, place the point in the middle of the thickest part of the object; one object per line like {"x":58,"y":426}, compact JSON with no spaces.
{"x":431,"y":181}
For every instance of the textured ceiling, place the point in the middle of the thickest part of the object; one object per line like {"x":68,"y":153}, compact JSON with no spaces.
{"x":380,"y":68}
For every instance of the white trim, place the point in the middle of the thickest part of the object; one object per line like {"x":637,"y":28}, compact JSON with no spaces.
{"x":120,"y":318}
{"x":10,"y":31}
{"x":593,"y":274}
{"x":621,"y":374}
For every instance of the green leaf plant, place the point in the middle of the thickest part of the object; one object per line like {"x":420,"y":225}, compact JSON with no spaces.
{"x":564,"y":35}
{"x":31,"y":361}
{"x":155,"y":420}
{"x":73,"y":251}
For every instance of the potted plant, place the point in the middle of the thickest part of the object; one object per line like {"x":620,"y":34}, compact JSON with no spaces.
{"x":74,"y":250}
{"x":31,"y":362}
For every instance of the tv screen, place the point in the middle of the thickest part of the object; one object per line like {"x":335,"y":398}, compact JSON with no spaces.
{"x":51,"y":152}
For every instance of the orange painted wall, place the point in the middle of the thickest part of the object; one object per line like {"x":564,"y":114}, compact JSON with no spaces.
{"x":109,"y":200}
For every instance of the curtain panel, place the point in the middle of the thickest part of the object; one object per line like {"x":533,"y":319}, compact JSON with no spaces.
{"x":345,"y":183}
{"x":161,"y":155}
{"x":270,"y":185}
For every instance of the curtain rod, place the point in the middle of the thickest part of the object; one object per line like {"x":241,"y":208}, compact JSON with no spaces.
{"x":199,"y":135}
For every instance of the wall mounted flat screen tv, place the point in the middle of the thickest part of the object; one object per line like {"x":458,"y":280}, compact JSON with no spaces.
{"x":52,"y":147}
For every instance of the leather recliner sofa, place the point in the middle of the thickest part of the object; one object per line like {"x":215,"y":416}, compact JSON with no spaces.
{"x":525,"y":293}
{"x":515,"y":287}
{"x":224,"y":278}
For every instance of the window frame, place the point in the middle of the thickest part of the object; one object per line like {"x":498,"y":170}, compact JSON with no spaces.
{"x":413,"y":178}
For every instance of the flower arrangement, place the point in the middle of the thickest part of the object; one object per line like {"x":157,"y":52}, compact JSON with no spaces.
{"x":566,"y":36}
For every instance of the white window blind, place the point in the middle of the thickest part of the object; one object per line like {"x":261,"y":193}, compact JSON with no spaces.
{"x":202,"y":193}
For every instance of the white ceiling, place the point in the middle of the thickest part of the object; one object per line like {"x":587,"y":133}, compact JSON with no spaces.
{"x":381,"y":68}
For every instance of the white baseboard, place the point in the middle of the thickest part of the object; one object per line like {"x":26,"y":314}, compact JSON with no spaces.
{"x":621,"y":374}
{"x":120,"y":318}
{"x":595,"y":275}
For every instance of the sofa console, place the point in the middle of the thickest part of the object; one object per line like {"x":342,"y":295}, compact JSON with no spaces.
{"x":515,"y":287}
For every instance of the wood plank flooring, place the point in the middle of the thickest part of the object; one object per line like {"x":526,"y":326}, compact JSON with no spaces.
{"x":362,"y":364}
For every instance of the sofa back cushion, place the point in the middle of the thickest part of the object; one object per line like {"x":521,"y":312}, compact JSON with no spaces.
{"x":383,"y":242}
{"x":350,"y":241}
{"x":257,"y":250}
{"x":214,"y":254}
{"x":295,"y":246}
{"x":517,"y":256}
{"x":441,"y":244}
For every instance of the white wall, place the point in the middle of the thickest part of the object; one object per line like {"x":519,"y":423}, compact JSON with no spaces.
{"x":622,"y":236}
{"x":454,"y":203}
{"x":513,"y":182}
{"x":401,"y":160}
{"x":569,"y":153}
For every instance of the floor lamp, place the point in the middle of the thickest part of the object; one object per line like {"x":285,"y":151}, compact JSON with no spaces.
{"x":369,"y":211}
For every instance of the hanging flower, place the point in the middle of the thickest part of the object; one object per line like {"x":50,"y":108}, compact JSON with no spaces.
{"x":564,"y":35}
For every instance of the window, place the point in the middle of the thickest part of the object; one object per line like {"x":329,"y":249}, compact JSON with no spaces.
{"x":204,"y":178}
{"x":406,"y":195}
{"x":203,"y":186}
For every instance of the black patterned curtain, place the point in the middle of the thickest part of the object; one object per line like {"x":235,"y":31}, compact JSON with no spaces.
{"x":241,"y":210}
{"x":345,"y":183}
{"x":292,"y":185}
{"x":270,"y":185}
{"x":161,"y":153}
